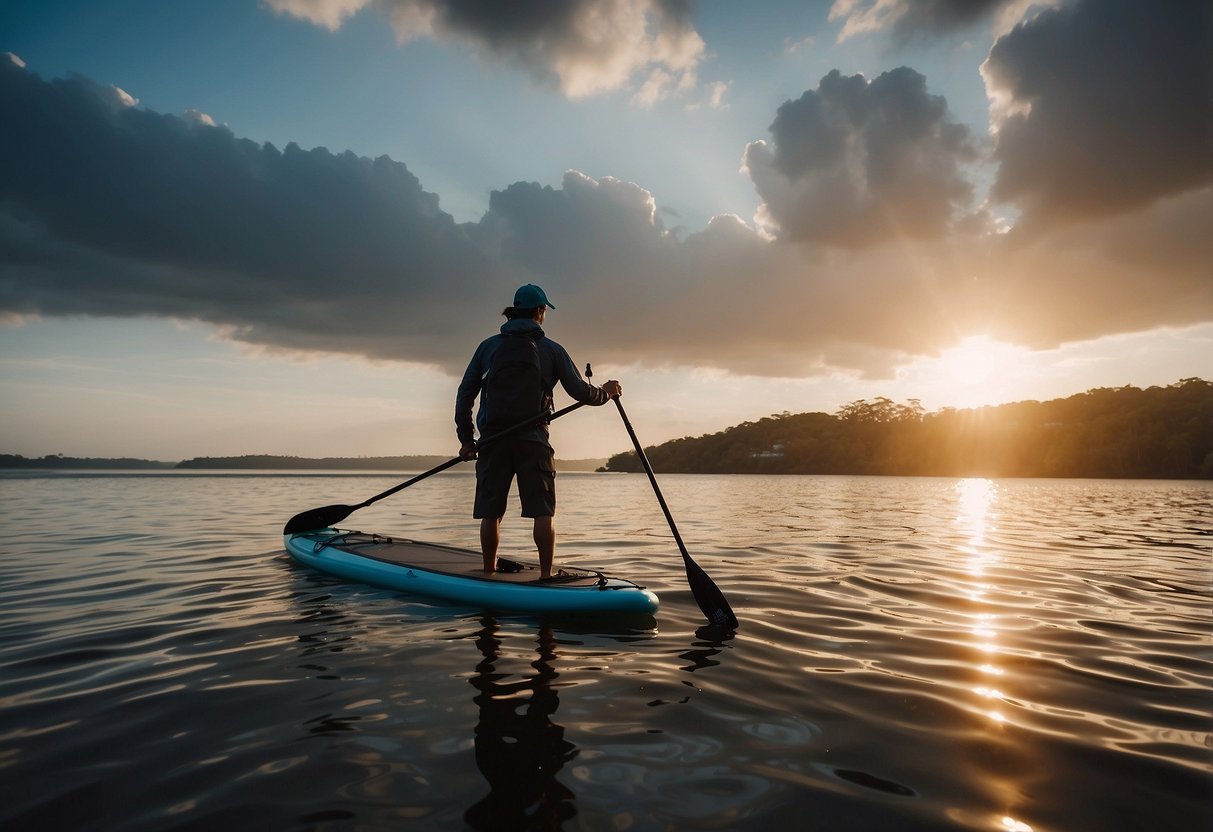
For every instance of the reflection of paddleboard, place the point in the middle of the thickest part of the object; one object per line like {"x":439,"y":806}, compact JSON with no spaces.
{"x":456,"y":574}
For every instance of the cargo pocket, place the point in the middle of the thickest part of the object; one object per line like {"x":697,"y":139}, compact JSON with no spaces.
{"x":547,"y":476}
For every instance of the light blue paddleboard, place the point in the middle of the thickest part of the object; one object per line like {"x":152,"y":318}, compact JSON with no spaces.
{"x":455,"y":574}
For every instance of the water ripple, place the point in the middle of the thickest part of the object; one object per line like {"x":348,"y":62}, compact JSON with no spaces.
{"x":914,"y":654}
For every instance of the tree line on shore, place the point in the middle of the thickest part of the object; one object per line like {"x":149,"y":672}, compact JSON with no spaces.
{"x":59,"y":461}
{"x":1122,"y":432}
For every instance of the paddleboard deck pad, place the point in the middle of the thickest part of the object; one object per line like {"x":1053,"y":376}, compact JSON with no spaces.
{"x":455,"y":574}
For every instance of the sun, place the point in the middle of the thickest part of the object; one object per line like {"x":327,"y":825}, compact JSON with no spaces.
{"x":972,"y":361}
{"x":974,"y":372}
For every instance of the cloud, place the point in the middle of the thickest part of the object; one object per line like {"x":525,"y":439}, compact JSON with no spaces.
{"x":713,"y":97}
{"x":327,"y":13}
{"x":107,"y":209}
{"x":1100,"y":108}
{"x":1128,"y":273}
{"x":716,"y":95}
{"x":907,"y":18}
{"x":583,"y":47}
{"x":723,"y":297}
{"x":199,"y":117}
{"x":857,"y":162}
{"x":111,"y":210}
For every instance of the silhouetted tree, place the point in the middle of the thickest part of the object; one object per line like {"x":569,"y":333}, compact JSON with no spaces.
{"x":1159,"y":432}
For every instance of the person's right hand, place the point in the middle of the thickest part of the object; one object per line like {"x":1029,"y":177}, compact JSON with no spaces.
{"x":467,"y":451}
{"x":613,"y":389}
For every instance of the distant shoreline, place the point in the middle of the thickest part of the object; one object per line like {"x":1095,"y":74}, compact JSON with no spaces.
{"x":1105,"y":433}
{"x":253,"y":462}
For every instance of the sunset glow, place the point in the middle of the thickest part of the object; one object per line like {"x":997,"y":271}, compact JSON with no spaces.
{"x":737,"y":214}
{"x":975,"y":360}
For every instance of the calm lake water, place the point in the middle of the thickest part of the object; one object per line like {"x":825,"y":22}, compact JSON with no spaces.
{"x":913,"y":654}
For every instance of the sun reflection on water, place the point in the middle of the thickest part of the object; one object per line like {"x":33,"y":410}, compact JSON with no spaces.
{"x":976,"y":496}
{"x":975,"y":519}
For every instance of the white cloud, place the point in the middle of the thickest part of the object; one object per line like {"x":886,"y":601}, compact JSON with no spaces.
{"x":198,"y":117}
{"x":908,"y":18}
{"x":583,"y":47}
{"x":654,"y":89}
{"x":327,"y":13}
{"x":857,"y":162}
{"x":716,"y":95}
{"x":792,"y":47}
{"x":122,"y":97}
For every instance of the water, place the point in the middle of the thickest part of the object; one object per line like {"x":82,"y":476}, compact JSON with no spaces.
{"x":913,"y":654}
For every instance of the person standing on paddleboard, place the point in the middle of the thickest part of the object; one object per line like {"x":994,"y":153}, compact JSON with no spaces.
{"x":514,"y":373}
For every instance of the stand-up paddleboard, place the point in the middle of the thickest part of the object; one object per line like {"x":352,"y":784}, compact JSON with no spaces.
{"x":455,"y":574}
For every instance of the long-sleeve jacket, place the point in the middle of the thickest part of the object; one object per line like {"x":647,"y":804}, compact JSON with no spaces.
{"x":554,"y":363}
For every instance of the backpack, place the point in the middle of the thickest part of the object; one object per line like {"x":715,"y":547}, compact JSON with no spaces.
{"x":513,"y":387}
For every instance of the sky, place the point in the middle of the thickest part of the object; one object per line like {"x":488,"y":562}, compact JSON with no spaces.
{"x":282,"y":226}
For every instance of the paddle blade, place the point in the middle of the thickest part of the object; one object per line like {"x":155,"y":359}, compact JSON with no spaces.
{"x":318,"y":518}
{"x":708,"y":596}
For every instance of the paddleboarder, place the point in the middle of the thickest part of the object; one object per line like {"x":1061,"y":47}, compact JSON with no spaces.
{"x":514,"y":373}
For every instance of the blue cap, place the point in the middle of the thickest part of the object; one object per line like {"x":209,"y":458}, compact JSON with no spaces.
{"x":531,"y":296}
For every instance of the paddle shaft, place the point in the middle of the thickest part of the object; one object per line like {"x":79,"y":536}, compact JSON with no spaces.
{"x":327,"y":516}
{"x":523,"y":425}
{"x":707,"y":595}
{"x":648,"y":469}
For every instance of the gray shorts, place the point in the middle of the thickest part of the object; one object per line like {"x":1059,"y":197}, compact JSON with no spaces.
{"x":499,"y":463}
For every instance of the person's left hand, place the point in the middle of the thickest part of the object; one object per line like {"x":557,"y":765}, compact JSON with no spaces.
{"x":613,"y":389}
{"x":468,"y":451}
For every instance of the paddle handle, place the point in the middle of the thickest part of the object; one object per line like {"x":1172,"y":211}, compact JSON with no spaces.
{"x":530,"y":423}
{"x":538,"y":419}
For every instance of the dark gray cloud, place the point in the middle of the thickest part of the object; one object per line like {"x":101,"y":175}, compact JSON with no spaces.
{"x":582,"y":47}
{"x":1128,"y":273}
{"x":521,"y":25}
{"x":857,"y":162}
{"x":111,"y":210}
{"x":1103,"y":106}
{"x":943,"y":15}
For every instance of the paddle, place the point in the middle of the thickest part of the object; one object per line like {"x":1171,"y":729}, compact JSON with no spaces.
{"x":707,"y":595}
{"x":326,"y":516}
